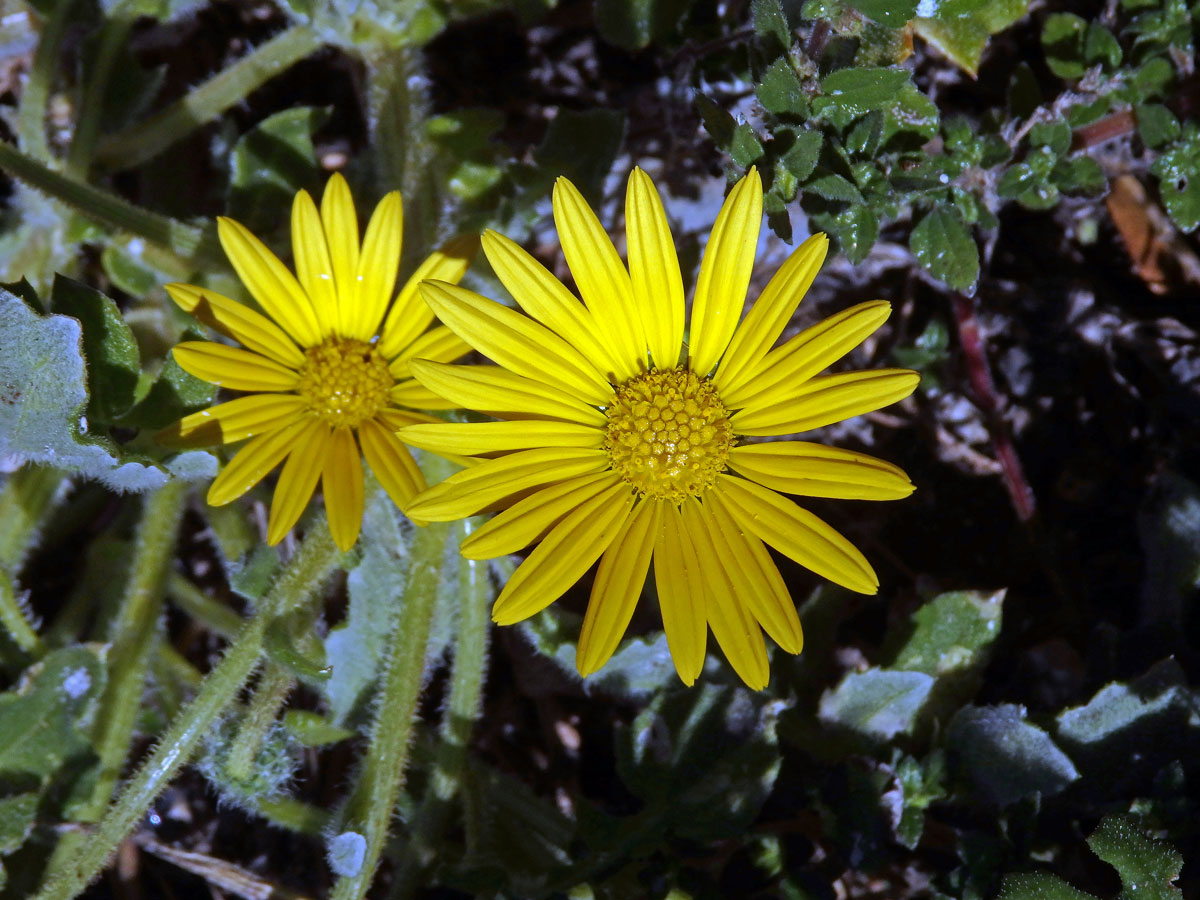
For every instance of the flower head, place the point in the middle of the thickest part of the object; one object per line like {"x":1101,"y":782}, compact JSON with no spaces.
{"x":617,"y":445}
{"x":326,"y":370}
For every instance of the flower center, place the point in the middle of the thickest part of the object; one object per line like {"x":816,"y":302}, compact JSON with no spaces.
{"x":668,"y":434}
{"x":345,"y":382}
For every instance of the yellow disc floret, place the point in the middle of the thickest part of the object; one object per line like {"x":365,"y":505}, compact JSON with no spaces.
{"x":344,"y":381}
{"x":668,"y":434}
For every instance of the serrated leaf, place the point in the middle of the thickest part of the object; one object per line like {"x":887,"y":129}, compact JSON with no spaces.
{"x":951,"y":631}
{"x":1029,"y":187}
{"x":856,"y":229}
{"x":892,"y":13}
{"x":1006,"y":756}
{"x":43,"y":396}
{"x":834,"y":187}
{"x":1054,"y":135}
{"x":943,"y":245}
{"x":45,"y":718}
{"x":1147,"y":867}
{"x":113,"y":364}
{"x":780,"y":91}
{"x":913,"y":112}
{"x":860,"y":90}
{"x":745,"y":148}
{"x":717,"y":121}
{"x":800,"y":159}
{"x":1039,"y":886}
{"x":877,"y":703}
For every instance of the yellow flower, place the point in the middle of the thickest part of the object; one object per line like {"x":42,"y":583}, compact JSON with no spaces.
{"x":612,"y":448}
{"x":330,"y":375}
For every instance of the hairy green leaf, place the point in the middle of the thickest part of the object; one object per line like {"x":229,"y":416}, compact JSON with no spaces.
{"x":943,"y":245}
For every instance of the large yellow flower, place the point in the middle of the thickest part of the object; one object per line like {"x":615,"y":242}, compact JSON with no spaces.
{"x":616,"y":446}
{"x":333,"y":366}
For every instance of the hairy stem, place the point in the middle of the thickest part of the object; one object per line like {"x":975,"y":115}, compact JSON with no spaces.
{"x":26,"y":500}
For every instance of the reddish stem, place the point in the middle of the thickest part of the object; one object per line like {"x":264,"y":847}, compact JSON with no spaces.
{"x":984,"y":387}
{"x":1103,"y":130}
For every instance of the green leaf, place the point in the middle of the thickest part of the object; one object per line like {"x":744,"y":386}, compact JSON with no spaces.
{"x":719,"y":124}
{"x":963,"y":38}
{"x":270,"y":163}
{"x":44,"y":720}
{"x":1072,"y":45}
{"x":635,"y":24}
{"x":1005,"y":756}
{"x":834,"y":187}
{"x":1054,"y":135}
{"x":856,"y":229}
{"x":174,"y":394}
{"x":943,"y":245}
{"x":745,"y":148}
{"x":1157,"y":125}
{"x":1178,"y":171}
{"x":18,"y":815}
{"x":892,"y":13}
{"x":43,"y":396}
{"x":1080,"y":176}
{"x":780,"y":91}
{"x":950,"y":632}
{"x":877,"y":703}
{"x":860,"y":90}
{"x":801,"y":157}
{"x":1101,"y":47}
{"x":913,"y":113}
{"x":1153,"y":78}
{"x":375,"y":587}
{"x":582,"y":146}
{"x":108,"y":345}
{"x":1029,"y":187}
{"x":1147,"y":867}
{"x":770,"y":22}
{"x":465,"y":138}
{"x":1039,"y":886}
{"x":920,"y":785}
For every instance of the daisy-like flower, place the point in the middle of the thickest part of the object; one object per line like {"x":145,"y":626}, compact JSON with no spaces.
{"x":618,"y":443}
{"x":327,"y":368}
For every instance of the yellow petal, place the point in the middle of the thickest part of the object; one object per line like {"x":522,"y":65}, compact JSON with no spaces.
{"x":437,"y":344}
{"x":546,"y":299}
{"x":234,"y":421}
{"x":814,"y":470}
{"x":395,"y":419}
{"x":802,"y":357}
{"x":252,"y":462}
{"x":826,"y":399}
{"x":654,"y":270}
{"x":755,"y":576}
{"x":391,"y":462}
{"x":770,"y":313}
{"x":252,"y":330}
{"x":233,"y":367}
{"x":414,"y":395}
{"x":504,"y":394}
{"x":378,"y":265}
{"x":516,"y":342}
{"x":725,"y":274}
{"x":269,"y":282}
{"x":342,"y":484}
{"x":618,"y":585}
{"x":341,"y":234}
{"x":476,"y":438}
{"x":528,"y":520}
{"x":681,"y":594}
{"x":564,"y":556}
{"x":473,"y":490}
{"x":314,"y":269}
{"x":797,"y":534}
{"x":601,"y":278}
{"x":736,"y":632}
{"x":410,"y":315}
{"x":298,"y":479}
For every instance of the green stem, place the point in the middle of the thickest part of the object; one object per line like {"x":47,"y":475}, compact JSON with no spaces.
{"x":12,"y":617}
{"x":31,"y":115}
{"x":269,"y":697}
{"x":458,"y":722}
{"x":212,"y":614}
{"x":305,"y":573}
{"x":113,"y":38}
{"x":371,"y":805}
{"x":205,"y":103}
{"x":25,"y":501}
{"x":112,"y":211}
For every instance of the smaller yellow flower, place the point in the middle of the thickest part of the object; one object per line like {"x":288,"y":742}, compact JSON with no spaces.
{"x":329,"y":377}
{"x":622,"y":444}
